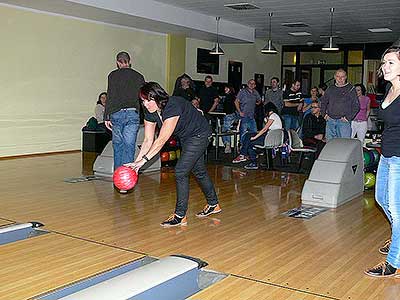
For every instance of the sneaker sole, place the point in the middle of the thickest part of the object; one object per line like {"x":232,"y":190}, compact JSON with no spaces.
{"x":213,"y":212}
{"x":168,"y":225}
{"x":382,"y":276}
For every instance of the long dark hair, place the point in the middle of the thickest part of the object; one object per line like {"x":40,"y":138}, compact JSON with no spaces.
{"x":153,"y":91}
{"x":99,"y":99}
{"x":394,"y":48}
{"x":363,"y":89}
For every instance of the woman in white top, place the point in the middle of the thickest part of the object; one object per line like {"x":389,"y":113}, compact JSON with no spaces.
{"x":99,"y":109}
{"x":272,"y":122}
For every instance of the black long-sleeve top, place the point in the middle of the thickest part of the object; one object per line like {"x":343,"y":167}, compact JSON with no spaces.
{"x":123,"y":90}
{"x":391,"y":132}
{"x":313,"y":125}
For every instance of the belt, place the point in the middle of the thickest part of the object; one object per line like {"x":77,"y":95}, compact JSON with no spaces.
{"x":129,"y":108}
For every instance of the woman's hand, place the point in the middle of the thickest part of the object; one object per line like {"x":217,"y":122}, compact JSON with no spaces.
{"x":136,"y":165}
{"x":108,"y":125}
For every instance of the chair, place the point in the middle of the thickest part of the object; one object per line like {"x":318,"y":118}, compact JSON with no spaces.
{"x":296,"y":145}
{"x":273,"y":139}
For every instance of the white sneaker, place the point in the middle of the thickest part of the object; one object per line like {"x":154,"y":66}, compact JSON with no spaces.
{"x":228,"y":148}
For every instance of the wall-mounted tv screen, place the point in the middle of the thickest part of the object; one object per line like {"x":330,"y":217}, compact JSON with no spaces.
{"x":206,"y":62}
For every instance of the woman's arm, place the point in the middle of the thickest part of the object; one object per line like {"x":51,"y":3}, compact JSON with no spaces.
{"x":149,"y":133}
{"x":166,"y":131}
{"x":262,"y":131}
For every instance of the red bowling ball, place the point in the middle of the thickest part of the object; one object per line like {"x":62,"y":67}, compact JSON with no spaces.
{"x":125,"y":178}
{"x":172,"y":142}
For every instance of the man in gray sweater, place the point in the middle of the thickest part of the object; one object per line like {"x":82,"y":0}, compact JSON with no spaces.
{"x":339,"y":106}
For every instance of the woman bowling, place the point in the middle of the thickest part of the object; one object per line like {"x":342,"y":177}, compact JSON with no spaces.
{"x":387,"y":189}
{"x":176,"y":115}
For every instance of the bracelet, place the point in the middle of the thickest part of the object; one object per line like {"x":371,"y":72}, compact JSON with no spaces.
{"x":145,"y":158}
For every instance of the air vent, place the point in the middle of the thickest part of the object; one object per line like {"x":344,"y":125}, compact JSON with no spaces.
{"x":295,"y":25}
{"x":241,"y":6}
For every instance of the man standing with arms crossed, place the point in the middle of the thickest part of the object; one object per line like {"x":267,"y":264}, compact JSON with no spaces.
{"x":122,"y":109}
{"x":245,"y":104}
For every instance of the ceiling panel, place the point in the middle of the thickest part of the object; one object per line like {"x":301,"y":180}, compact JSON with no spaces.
{"x":351,"y":18}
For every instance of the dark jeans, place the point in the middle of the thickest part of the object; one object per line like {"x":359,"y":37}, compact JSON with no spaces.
{"x":192,"y":160}
{"x":247,"y":146}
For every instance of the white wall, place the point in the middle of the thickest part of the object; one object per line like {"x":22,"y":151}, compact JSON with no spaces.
{"x":249,"y":54}
{"x":53,"y":69}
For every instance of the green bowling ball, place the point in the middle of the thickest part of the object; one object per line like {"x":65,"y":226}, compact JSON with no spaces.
{"x":367,"y":158}
{"x":369,"y":180}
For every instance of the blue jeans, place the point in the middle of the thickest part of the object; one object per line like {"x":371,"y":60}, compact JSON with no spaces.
{"x":336,"y":128}
{"x":247,"y":124}
{"x":192,"y":160}
{"x":247,"y":146}
{"x":228,"y":121}
{"x":124,"y":131}
{"x":291,"y":121}
{"x":387,"y":194}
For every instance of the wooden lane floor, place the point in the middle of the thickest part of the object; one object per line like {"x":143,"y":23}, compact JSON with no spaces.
{"x":234,"y":288}
{"x":325,"y":255}
{"x":44,"y":263}
{"x":5,"y":222}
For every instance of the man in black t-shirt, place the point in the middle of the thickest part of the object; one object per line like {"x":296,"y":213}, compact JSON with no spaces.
{"x":208,"y":95}
{"x":122,"y":109}
{"x":177,"y":116}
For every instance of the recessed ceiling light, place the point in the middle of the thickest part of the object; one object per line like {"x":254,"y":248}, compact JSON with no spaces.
{"x":378,"y":30}
{"x":295,"y":24}
{"x":242,"y":6}
{"x":299,"y":33}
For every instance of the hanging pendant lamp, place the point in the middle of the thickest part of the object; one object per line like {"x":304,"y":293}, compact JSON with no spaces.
{"x":330,"y":45}
{"x":216,"y":50}
{"x":269,"y":48}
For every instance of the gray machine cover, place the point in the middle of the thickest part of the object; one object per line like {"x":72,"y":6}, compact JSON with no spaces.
{"x":104,"y":163}
{"x":337,"y":176}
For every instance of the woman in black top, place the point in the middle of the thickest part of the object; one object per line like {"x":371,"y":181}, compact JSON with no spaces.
{"x":175,"y":115}
{"x":387,"y":189}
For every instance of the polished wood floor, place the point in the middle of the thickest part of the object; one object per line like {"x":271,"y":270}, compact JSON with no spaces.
{"x":267,"y":255}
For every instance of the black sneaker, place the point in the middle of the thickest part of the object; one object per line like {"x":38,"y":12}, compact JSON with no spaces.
{"x":251,"y":166}
{"x":208,"y":210}
{"x":174,"y":220}
{"x":383,"y":270}
{"x":385,"y":248}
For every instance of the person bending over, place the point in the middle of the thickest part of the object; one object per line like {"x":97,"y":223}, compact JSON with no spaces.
{"x":272,"y":122}
{"x":176,"y":115}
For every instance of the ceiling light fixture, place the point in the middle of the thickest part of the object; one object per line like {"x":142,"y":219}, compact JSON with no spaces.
{"x":269,"y":47}
{"x":217,"y":49}
{"x":331,"y":46}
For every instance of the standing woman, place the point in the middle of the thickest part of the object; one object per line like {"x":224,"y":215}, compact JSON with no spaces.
{"x":359,"y":125}
{"x":387,"y":190}
{"x":176,"y":115}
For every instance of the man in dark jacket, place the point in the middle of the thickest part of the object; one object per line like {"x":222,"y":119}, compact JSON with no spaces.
{"x":339,"y":106}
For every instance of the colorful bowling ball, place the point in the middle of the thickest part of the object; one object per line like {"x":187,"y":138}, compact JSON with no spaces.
{"x":172,"y":155}
{"x":164,"y":156}
{"x":178,"y":153}
{"x":369,"y":180}
{"x":367,"y":158}
{"x":125,"y":178}
{"x":172,"y":143}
